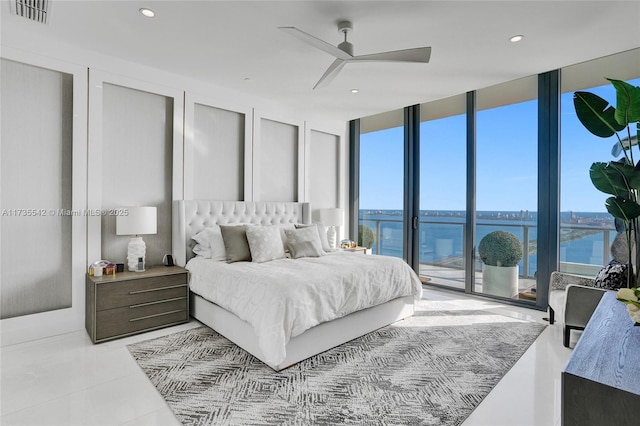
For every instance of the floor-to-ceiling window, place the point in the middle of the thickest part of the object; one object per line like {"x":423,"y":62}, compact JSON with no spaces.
{"x":506,"y":143}
{"x":382,"y":184}
{"x":506,"y":188}
{"x":443,"y":192}
{"x":586,"y":228}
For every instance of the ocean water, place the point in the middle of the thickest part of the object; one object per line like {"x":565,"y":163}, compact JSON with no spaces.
{"x":583,"y":235}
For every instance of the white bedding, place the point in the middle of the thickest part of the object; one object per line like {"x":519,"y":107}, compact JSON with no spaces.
{"x":283,"y":298}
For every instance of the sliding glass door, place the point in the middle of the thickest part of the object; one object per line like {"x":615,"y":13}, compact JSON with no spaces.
{"x":507,"y":190}
{"x":381,"y":214}
{"x":443,"y":192}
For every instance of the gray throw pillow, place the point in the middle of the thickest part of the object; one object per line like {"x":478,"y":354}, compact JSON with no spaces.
{"x":322,"y":233}
{"x":299,"y":249}
{"x":235,"y":243}
{"x":304,"y":242}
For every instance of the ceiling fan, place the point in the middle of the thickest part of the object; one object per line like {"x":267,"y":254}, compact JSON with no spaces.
{"x":344,"y":52}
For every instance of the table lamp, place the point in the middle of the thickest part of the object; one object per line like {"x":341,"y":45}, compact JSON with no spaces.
{"x":331,"y":218}
{"x":139,"y":221}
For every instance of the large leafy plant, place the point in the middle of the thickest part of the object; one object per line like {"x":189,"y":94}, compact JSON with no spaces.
{"x":619,"y":178}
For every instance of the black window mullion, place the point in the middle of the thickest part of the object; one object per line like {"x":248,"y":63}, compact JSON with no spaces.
{"x":470,"y":225}
{"x":411,"y":251}
{"x":354,"y":178}
{"x":548,"y":181}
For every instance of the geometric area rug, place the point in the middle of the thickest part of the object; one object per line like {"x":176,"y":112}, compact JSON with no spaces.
{"x":432,"y":369}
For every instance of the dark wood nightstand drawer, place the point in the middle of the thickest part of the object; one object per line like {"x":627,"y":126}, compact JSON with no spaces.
{"x":125,"y":293}
{"x":133,"y":302}
{"x":125,"y":320}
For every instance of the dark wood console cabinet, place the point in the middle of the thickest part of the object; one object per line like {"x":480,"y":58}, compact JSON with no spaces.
{"x":601,"y":382}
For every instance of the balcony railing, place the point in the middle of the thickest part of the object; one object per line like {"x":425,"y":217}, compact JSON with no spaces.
{"x":435,"y":251}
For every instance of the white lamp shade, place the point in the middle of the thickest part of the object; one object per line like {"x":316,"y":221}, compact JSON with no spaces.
{"x":139,"y":221}
{"x":332,"y":217}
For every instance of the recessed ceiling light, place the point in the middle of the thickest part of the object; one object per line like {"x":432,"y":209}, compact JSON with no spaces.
{"x":354,"y":90}
{"x":147,"y":12}
{"x":516,"y":38}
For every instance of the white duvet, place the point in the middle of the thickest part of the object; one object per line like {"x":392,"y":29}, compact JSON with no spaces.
{"x":282,"y":298}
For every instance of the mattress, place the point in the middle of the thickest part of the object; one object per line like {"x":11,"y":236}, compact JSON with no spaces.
{"x":282,"y":298}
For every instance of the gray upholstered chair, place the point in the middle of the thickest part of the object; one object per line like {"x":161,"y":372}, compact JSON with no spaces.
{"x":572,"y":300}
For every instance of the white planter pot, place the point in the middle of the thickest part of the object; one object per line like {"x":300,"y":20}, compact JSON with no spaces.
{"x":500,"y":280}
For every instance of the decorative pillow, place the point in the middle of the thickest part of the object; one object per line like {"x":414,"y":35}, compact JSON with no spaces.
{"x":210,"y":243}
{"x":202,"y":251}
{"x":322,"y":233}
{"x":235,"y":243}
{"x":284,"y":236}
{"x":324,"y":240}
{"x":265,"y":243}
{"x":304,"y":242}
{"x":612,"y":277}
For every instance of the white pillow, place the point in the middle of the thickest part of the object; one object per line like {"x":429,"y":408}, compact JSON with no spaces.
{"x":202,"y":251}
{"x":265,"y":243}
{"x":322,"y":233}
{"x":210,"y":243}
{"x":304,"y":242}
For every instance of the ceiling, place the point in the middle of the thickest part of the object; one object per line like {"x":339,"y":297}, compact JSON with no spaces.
{"x":236,"y":44}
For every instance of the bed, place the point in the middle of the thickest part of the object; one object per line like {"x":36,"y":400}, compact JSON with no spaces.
{"x":190,"y":217}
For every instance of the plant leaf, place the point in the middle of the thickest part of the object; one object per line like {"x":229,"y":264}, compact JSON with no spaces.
{"x":629,"y":173}
{"x":614,"y":178}
{"x":596,"y":115}
{"x":627,"y":102}
{"x":622,"y":208}
{"x":630,"y":302}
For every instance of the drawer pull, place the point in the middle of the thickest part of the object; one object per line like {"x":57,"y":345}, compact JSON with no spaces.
{"x":156,"y":315}
{"x":139,"y":305}
{"x":157,"y":289}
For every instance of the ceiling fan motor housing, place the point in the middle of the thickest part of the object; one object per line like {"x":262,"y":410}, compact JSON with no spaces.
{"x":345,"y":27}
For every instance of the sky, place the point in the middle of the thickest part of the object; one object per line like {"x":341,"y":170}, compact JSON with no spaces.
{"x":506,"y":161}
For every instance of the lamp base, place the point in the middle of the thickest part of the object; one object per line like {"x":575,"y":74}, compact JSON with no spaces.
{"x":136,"y":250}
{"x":331,"y":236}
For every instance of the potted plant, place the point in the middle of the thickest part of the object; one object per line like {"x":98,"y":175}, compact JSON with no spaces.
{"x":619,"y":178}
{"x":366,"y":236}
{"x":500,"y":252}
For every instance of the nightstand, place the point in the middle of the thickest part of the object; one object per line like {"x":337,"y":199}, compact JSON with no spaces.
{"x":358,"y":249}
{"x":134,"y":302}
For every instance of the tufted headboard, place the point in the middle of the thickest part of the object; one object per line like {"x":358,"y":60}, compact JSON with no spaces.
{"x":192,"y":216}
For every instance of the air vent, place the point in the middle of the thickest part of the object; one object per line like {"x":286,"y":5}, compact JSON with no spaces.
{"x":36,"y":10}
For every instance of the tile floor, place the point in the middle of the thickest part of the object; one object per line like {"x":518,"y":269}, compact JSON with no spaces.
{"x":66,"y":380}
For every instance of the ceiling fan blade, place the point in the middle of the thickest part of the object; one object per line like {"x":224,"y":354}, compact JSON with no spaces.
{"x":330,"y":73}
{"x":420,"y":54}
{"x":316,"y":42}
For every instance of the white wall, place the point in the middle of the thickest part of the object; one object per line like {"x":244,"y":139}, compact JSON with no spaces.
{"x":179,"y":138}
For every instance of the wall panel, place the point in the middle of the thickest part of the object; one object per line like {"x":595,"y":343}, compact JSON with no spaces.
{"x":137,"y":145}
{"x":218,"y":154}
{"x":277,"y":162}
{"x":36,"y":173}
{"x":323,"y":170}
